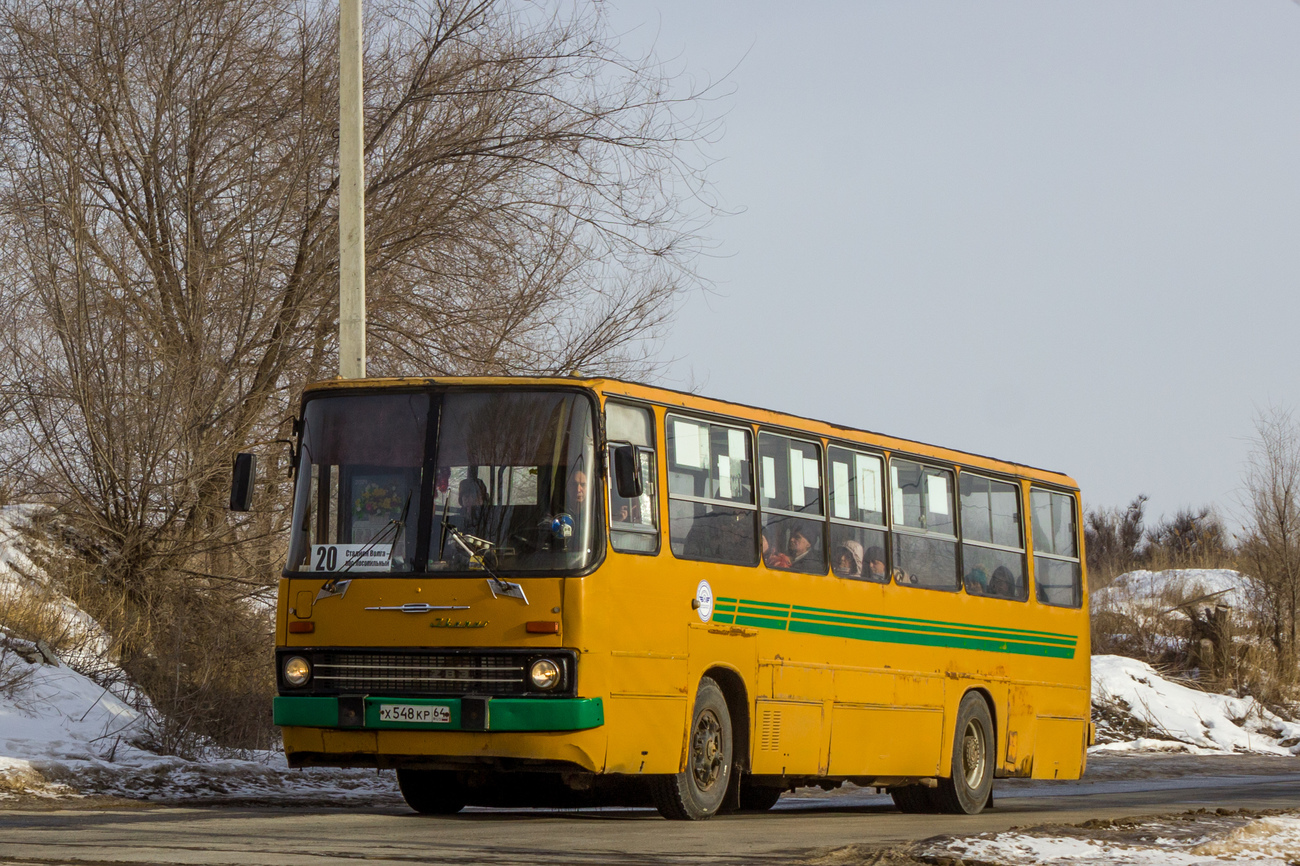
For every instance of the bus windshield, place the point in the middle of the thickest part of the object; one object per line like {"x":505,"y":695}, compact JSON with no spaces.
{"x":502,"y":486}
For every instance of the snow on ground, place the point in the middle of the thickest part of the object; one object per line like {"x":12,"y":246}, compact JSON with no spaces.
{"x":1151,"y":590}
{"x":62,"y":735}
{"x":1267,"y":840}
{"x":1177,"y":714}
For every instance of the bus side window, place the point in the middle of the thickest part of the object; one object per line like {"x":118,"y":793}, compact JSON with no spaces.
{"x":790,"y":477}
{"x":857,"y":513}
{"x":924,"y":533}
{"x":1058,"y":575}
{"x":711,"y":509}
{"x":633,"y":522}
{"x":993,"y":553}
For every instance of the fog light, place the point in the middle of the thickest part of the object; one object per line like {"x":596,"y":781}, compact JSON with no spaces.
{"x":296,"y":671}
{"x":545,"y":674}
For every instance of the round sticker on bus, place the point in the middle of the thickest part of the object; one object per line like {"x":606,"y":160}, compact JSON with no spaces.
{"x":704,"y":599}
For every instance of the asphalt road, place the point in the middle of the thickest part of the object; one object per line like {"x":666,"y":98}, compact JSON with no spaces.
{"x":800,"y":827}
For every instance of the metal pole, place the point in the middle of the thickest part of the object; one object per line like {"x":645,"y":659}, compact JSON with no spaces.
{"x":352,"y":199}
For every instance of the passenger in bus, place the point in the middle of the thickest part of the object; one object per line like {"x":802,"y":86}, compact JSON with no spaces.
{"x":801,"y":547}
{"x":977,"y":581}
{"x":772,"y":557}
{"x":1003,"y":583}
{"x":472,"y":498}
{"x":847,"y":561}
{"x":876,"y":565}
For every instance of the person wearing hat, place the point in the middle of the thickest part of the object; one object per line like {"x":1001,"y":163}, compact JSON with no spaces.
{"x":875,"y":565}
{"x":801,"y":546}
{"x":847,"y":561}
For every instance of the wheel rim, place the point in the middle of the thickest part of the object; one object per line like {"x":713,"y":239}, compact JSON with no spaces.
{"x":972,"y":755}
{"x":707,"y":764}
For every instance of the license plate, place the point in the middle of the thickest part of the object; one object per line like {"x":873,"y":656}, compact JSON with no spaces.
{"x":432,"y":715}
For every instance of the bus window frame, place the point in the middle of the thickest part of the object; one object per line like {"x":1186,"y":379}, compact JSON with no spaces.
{"x":1023,"y":551}
{"x":1077,"y":559}
{"x":657,"y":531}
{"x":823,"y":489}
{"x":917,"y":532}
{"x":668,"y":495}
{"x":885,"y":507}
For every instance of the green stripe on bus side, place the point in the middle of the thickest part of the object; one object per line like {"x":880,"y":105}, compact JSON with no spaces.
{"x":938,"y":640}
{"x":1020,"y":633}
{"x":1023,"y":631}
{"x":966,"y":630}
{"x":893,"y":629}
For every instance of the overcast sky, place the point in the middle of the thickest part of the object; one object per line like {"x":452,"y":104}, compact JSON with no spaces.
{"x":1066,"y":234}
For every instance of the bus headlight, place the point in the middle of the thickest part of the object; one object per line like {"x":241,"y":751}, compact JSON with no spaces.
{"x":545,"y":674}
{"x":296,"y":671}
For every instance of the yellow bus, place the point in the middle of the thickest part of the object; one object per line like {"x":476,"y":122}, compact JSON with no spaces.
{"x":576,"y":590}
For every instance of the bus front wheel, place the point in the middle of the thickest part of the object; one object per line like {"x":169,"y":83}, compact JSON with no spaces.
{"x":697,"y":792}
{"x":967,"y":790}
{"x":432,"y":792}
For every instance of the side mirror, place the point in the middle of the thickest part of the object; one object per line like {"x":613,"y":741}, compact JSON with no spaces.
{"x":627,"y":472}
{"x":241,"y":484}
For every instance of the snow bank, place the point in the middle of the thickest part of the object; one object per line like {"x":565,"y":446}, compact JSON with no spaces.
{"x":1172,"y":712}
{"x":1272,"y":840}
{"x":62,"y":735}
{"x":1153,"y":591}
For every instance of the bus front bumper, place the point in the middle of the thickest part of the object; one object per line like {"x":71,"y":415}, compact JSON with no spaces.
{"x":440,"y":714}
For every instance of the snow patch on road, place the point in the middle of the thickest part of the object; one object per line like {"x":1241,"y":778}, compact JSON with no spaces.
{"x":1268,"y":840}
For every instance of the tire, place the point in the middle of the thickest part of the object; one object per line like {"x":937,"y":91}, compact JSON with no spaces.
{"x":697,"y":793}
{"x":912,"y":799}
{"x":967,"y":789}
{"x":432,"y":792}
{"x":758,"y":798}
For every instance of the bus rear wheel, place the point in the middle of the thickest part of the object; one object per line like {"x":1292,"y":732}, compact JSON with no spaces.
{"x":697,"y":792}
{"x":432,"y":792}
{"x":967,"y":790}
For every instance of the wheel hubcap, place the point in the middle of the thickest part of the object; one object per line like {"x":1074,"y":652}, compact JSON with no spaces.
{"x":707,"y":763}
{"x":972,"y":755}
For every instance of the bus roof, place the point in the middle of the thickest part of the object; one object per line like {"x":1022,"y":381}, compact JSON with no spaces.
{"x":674,"y":399}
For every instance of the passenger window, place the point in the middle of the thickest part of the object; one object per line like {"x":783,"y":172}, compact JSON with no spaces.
{"x":924,"y":543}
{"x":858,"y":544}
{"x":633,"y":523}
{"x":1058,"y":574}
{"x":993,"y":557}
{"x":790,"y":481}
{"x":711,"y":508}
{"x":922,"y":497}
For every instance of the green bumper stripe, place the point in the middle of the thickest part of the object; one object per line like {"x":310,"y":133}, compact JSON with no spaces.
{"x":504,"y":714}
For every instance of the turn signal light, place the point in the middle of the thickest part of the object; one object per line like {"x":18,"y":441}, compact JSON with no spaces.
{"x":302,"y":627}
{"x":543,"y":626}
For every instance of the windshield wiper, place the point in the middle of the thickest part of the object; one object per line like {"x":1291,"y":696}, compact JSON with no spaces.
{"x":468,"y":543}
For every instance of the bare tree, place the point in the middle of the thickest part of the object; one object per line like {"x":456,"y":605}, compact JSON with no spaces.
{"x":168,"y":186}
{"x":1271,"y":548}
{"x":1113,"y":539}
{"x":1192,"y":538}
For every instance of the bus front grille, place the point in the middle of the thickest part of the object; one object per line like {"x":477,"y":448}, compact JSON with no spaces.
{"x":418,"y":673}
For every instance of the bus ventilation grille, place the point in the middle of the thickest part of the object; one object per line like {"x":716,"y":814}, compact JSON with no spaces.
{"x":769,"y":726}
{"x":421,"y":673}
